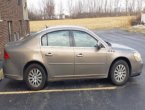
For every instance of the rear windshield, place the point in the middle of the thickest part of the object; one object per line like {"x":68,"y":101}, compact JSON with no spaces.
{"x":28,"y":36}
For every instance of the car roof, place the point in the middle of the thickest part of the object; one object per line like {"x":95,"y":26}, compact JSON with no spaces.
{"x":66,"y":26}
{"x":63,"y":27}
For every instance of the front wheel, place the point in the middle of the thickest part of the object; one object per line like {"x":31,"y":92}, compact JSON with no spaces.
{"x":35,"y":77}
{"x":119,"y":72}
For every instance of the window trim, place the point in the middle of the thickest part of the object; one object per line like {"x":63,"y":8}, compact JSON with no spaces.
{"x":74,"y":43}
{"x":70,"y":40}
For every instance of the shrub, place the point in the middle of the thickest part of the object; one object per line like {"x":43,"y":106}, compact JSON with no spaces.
{"x":136,"y":20}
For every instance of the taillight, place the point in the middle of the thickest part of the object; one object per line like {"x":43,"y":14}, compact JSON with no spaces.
{"x":6,"y":55}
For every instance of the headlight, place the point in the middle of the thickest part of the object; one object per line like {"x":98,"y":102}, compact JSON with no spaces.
{"x":137,"y":56}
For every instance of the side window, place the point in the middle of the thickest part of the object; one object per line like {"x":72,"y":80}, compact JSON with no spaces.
{"x":44,"y":40}
{"x":58,"y":38}
{"x":83,"y":39}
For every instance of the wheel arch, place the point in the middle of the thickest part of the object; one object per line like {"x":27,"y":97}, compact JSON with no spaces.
{"x":124,"y":59}
{"x":36,"y":62}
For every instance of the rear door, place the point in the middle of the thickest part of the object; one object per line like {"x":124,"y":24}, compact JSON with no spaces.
{"x":58,"y":54}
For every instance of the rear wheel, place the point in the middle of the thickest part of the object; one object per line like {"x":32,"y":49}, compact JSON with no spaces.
{"x":119,"y":72}
{"x":35,"y":77}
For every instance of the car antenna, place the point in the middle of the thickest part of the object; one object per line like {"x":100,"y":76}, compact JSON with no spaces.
{"x":46,"y":26}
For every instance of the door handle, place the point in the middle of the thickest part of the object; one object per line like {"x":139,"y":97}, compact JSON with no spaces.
{"x":49,"y":54}
{"x":80,"y":55}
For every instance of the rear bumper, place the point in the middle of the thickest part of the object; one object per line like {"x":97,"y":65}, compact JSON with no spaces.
{"x":14,"y":77}
{"x":11,"y":71}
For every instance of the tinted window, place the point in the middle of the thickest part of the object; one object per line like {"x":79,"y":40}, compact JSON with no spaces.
{"x":83,"y":39}
{"x":59,"y":38}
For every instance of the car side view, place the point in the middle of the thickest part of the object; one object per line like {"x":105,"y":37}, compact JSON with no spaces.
{"x":67,"y":53}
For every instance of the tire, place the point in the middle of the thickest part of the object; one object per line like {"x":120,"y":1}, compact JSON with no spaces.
{"x":35,"y":77}
{"x":119,"y":72}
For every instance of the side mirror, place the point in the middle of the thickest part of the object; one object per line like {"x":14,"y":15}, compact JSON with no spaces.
{"x":98,"y":46}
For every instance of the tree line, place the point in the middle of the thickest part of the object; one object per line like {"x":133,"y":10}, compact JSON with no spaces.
{"x":86,"y":8}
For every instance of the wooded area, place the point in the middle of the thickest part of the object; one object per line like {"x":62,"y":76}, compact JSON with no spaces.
{"x":87,"y":8}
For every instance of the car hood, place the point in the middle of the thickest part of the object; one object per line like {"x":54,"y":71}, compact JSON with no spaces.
{"x":121,"y":47}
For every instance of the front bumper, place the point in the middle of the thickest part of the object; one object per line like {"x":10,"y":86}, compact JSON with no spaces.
{"x":135,"y":74}
{"x":137,"y":69}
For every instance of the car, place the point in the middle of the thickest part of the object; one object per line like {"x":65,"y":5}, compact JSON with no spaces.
{"x":68,"y":53}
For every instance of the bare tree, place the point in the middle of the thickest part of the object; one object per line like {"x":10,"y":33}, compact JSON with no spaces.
{"x":92,"y":5}
{"x":139,"y":5}
{"x":70,"y":4}
{"x":105,"y":5}
{"x":88,"y":8}
{"x":78,"y":8}
{"x":117,"y":7}
{"x":126,"y":2}
{"x":60,"y":7}
{"x":132,"y":5}
{"x":100,"y":6}
{"x":47,"y":9}
{"x":50,"y":8}
{"x":33,"y":13}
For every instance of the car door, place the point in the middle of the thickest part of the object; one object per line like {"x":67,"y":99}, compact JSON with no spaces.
{"x":58,"y":54}
{"x":89,"y":61}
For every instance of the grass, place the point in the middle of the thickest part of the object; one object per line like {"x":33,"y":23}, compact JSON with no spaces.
{"x":90,"y":23}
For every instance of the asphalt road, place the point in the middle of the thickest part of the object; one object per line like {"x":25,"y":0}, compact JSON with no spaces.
{"x":84,"y":94}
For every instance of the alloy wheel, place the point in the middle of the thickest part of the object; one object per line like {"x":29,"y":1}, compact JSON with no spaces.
{"x":35,"y":77}
{"x":120,"y":73}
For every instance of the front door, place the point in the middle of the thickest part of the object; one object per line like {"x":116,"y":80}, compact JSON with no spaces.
{"x":58,"y":54}
{"x":88,"y":60}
